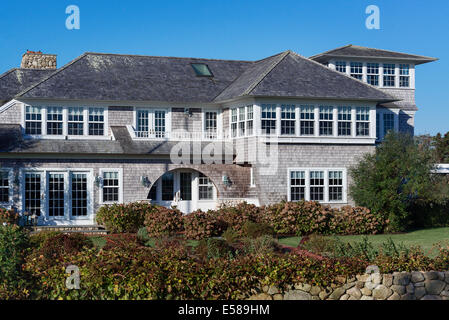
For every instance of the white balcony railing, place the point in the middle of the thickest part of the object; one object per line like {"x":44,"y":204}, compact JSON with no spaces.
{"x":175,"y":135}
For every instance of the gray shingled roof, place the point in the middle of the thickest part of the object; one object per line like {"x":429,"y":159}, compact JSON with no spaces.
{"x":364,"y":52}
{"x":11,"y":141}
{"x":16,"y":80}
{"x":110,"y":77}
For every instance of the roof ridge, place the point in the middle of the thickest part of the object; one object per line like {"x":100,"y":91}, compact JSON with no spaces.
{"x":346,"y":75}
{"x":267,"y":71}
{"x":51,"y":75}
{"x":167,"y":57}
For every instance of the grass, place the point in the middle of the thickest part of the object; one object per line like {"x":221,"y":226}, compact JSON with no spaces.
{"x":426,"y":239}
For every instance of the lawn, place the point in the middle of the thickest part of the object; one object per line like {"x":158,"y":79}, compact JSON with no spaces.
{"x":423,"y":238}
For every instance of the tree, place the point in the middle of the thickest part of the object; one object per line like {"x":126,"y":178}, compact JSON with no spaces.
{"x":441,"y":147}
{"x":394,"y":178}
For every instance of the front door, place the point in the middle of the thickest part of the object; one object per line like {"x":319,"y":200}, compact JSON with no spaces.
{"x":185,"y":203}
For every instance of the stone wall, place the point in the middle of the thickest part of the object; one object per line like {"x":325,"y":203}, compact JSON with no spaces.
{"x":397,"y":286}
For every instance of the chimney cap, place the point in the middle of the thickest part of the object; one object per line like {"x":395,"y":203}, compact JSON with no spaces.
{"x":37,"y":52}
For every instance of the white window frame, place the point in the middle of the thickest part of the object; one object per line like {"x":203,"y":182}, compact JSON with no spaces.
{"x":326,"y":183}
{"x":359,"y":112}
{"x":252,"y":181}
{"x":152,"y":122}
{"x":373,"y":66}
{"x":276,"y":119}
{"x":340,"y":65}
{"x":65,"y":110}
{"x":402,"y":74}
{"x":206,"y":134}
{"x":44,"y":217}
{"x":340,"y":112}
{"x":380,"y":123}
{"x":385,"y":67}
{"x":330,"y":113}
{"x":354,"y":68}
{"x":294,"y":120}
{"x":120,"y":185}
{"x":10,"y":173}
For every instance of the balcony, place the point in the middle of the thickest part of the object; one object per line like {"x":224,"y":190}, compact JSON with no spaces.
{"x":176,"y":135}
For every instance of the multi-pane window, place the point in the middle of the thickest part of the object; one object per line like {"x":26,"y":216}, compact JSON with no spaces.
{"x":326,"y":121}
{"x":389,"y":75}
{"x":344,"y":121}
{"x":33,"y":120}
{"x":404,"y":75}
{"x":54,"y":121}
{"x":167,"y":186}
{"x":307,"y":121}
{"x":111,"y":187}
{"x":340,"y":66}
{"x":143,"y":124}
{"x":242,"y":118}
{"x":335,"y":185}
{"x":288,"y":119}
{"x":388,"y":122}
{"x":234,"y":120}
{"x":56,"y":195}
{"x":79,"y":194}
{"x":33,"y":193}
{"x":297,"y":185}
{"x":205,"y":188}
{"x":372,"y":71}
{"x":210,"y":124}
{"x":316,"y":185}
{"x":159,"y":123}
{"x":75,"y":122}
{"x":357,"y":70}
{"x":268,"y":118}
{"x":4,"y":186}
{"x":96,"y":121}
{"x":249,"y":120}
{"x":362,"y":121}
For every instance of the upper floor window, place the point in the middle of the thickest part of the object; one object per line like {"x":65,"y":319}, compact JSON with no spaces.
{"x":210,"y":124}
{"x":268,"y":118}
{"x":288,"y":119}
{"x":54,"y":121}
{"x":340,"y":66}
{"x":75,"y":122}
{"x":249,"y":120}
{"x":357,"y":70}
{"x":372,"y":73}
{"x":362,"y":121}
{"x":344,"y":121}
{"x":150,"y":123}
{"x":96,"y":121}
{"x":234,"y":119}
{"x":33,"y":120}
{"x":326,"y":121}
{"x":242,"y":120}
{"x":307,"y":123}
{"x":404,"y":75}
{"x":389,"y":75}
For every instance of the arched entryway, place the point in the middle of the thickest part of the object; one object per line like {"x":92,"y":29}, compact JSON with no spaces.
{"x":186,"y":189}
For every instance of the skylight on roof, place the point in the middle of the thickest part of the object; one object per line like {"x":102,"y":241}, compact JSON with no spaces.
{"x":201,"y":70}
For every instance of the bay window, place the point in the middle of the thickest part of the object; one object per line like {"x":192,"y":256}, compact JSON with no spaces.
{"x":249,"y":120}
{"x":344,"y":121}
{"x":268,"y":119}
{"x":234,"y":119}
{"x":288,"y":119}
{"x":362,"y":121}
{"x":389,"y":75}
{"x":357,"y":70}
{"x":404,"y":75}
{"x":242,"y":119}
{"x":307,"y":121}
{"x":326,"y":121}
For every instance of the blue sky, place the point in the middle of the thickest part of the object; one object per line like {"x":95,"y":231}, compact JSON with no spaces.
{"x":231,"y":29}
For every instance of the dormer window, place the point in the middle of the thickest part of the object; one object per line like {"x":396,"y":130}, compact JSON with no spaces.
{"x":357,"y":70}
{"x":201,"y":70}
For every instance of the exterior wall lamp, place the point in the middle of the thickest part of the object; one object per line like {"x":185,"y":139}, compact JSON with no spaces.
{"x":188,"y":112}
{"x":98,"y":181}
{"x":145,"y":181}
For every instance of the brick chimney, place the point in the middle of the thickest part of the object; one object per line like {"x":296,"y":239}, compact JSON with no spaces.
{"x":38,"y":60}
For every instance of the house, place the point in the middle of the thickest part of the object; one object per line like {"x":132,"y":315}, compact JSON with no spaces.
{"x":194,"y":133}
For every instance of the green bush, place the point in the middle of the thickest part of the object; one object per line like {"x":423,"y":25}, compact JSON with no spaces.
{"x":8,"y":216}
{"x":162,"y":222}
{"x":261,"y":245}
{"x":355,"y":220}
{"x":13,"y":244}
{"x":38,"y":239}
{"x":124,"y":218}
{"x":143,"y":236}
{"x":214,"y":248}
{"x":255,"y":230}
{"x":55,"y":247}
{"x":200,"y":225}
{"x":236,"y":216}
